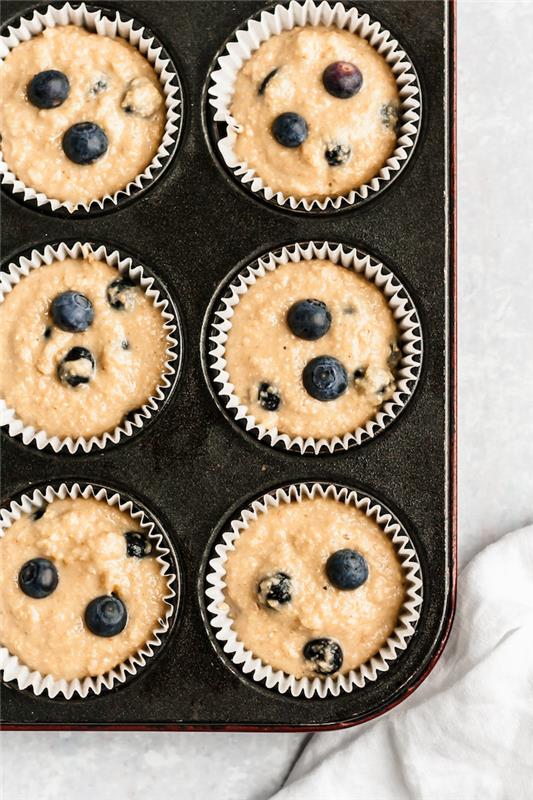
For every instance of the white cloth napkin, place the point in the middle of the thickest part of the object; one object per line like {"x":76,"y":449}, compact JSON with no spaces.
{"x":467,"y":732}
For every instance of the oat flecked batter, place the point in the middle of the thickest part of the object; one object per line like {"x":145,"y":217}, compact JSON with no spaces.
{"x":128,"y":346}
{"x":365,"y":122}
{"x":262,"y":349}
{"x":297,"y":538}
{"x":107,"y":77}
{"x":85,"y":541}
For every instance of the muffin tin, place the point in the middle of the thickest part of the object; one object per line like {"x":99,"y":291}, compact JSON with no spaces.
{"x":193,"y":469}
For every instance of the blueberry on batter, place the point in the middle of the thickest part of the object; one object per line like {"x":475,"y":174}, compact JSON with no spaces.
{"x":347,"y":569}
{"x":99,"y":86}
{"x":47,"y":332}
{"x":85,"y":142}
{"x":325,"y":654}
{"x":106,"y":616}
{"x":309,"y":319}
{"x":325,"y":378}
{"x":290,"y":129}
{"x":359,"y":374}
{"x":72,"y":311}
{"x":137,"y":545}
{"x":274,"y":590}
{"x":38,"y":578}
{"x":48,"y":89}
{"x":120,"y":293}
{"x":389,"y":116}
{"x":338,"y":154}
{"x":269,"y":397}
{"x":342,"y":79}
{"x":77,"y":367}
{"x":266,"y":81}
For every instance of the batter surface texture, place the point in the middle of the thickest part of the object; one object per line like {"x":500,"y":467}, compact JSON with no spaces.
{"x":364,"y":124}
{"x":297,"y":539}
{"x":85,"y":541}
{"x":111,"y":84}
{"x":262,"y":351}
{"x":127,"y":344}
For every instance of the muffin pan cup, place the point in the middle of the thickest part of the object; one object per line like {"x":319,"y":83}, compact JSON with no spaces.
{"x":15,"y":272}
{"x":197,"y":471}
{"x":115,"y":24}
{"x":14,"y":671}
{"x":275,"y":19}
{"x":222,"y":623}
{"x":218,"y":324}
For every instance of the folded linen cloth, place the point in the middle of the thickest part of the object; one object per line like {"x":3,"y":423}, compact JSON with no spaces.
{"x":467,"y":732}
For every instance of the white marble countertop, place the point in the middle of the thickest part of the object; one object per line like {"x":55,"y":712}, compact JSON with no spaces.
{"x":495,"y":431}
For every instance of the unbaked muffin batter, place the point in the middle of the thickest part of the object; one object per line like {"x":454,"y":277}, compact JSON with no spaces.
{"x":126,"y":343}
{"x":85,"y":540}
{"x":262,"y":351}
{"x":111,"y":84}
{"x":297,"y":539}
{"x":359,"y":131}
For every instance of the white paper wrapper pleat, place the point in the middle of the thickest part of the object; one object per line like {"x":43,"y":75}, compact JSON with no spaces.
{"x":12,"y":669}
{"x":17,"y":270}
{"x":403,"y":311}
{"x":113,"y":26}
{"x":284,"y":18}
{"x":314,"y":687}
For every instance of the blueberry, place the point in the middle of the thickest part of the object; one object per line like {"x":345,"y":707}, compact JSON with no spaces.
{"x":119,"y":293}
{"x":342,"y":79}
{"x":274,"y":590}
{"x":359,"y":374}
{"x":290,"y":129}
{"x":309,"y":319}
{"x":98,"y":87}
{"x":106,"y":615}
{"x":268,"y":397}
{"x":325,"y":378}
{"x":72,"y":311}
{"x":347,"y":569}
{"x":389,"y":116}
{"x":137,"y":545}
{"x":85,"y":142}
{"x":76,"y":367}
{"x":325,"y":654}
{"x":47,"y":332}
{"x":266,"y":81}
{"x":337,"y":154}
{"x":48,"y":89}
{"x":38,"y":578}
{"x":125,"y":344}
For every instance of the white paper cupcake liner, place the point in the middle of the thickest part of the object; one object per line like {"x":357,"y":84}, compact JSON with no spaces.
{"x":125,"y":265}
{"x":104,"y":23}
{"x":281,"y":18}
{"x":402,"y":309}
{"x":13,"y":670}
{"x":253,"y":667}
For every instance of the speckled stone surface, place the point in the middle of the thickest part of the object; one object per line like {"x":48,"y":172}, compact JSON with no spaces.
{"x":495,"y":433}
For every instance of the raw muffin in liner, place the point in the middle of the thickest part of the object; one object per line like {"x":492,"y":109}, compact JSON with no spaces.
{"x":11,"y":667}
{"x":125,"y":265}
{"x":247,"y":39}
{"x":104,"y":23}
{"x":402,"y":308}
{"x":252,"y":666}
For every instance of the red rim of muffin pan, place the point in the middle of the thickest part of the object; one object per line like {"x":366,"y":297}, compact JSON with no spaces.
{"x":241,"y":424}
{"x":191,"y":468}
{"x":134,"y":192}
{"x":216,"y":130}
{"x":178,"y":349}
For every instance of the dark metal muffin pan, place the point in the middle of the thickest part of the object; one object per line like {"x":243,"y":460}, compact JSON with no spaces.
{"x":192,"y":468}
